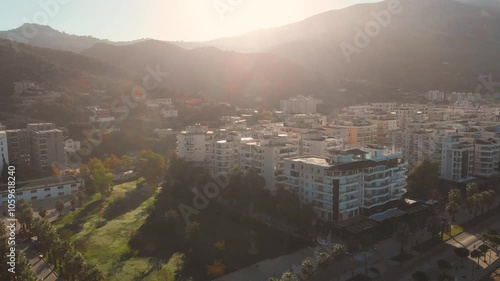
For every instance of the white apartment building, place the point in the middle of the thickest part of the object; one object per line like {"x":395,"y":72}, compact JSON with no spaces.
{"x":318,"y":145}
{"x":52,"y":187}
{"x":267,"y":156}
{"x":435,"y":96}
{"x":457,"y":159}
{"x":486,"y":157}
{"x":384,"y":127}
{"x":353,"y":182}
{"x":300,"y":105}
{"x":195,"y":144}
{"x":354,"y":132}
{"x":385,"y":106}
{"x":4,"y":150}
{"x":225,"y":156}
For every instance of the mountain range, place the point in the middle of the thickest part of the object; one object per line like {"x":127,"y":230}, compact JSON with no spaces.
{"x":415,"y":46}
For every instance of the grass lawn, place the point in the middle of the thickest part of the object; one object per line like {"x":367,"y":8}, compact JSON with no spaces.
{"x":455,"y":230}
{"x":105,"y":241}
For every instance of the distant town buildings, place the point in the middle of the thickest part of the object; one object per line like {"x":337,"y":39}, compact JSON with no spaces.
{"x":300,"y":105}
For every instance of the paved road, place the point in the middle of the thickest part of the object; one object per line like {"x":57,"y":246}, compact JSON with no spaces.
{"x":428,"y":261}
{"x":38,"y":265}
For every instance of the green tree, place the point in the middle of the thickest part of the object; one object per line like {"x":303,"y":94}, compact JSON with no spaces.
{"x":339,"y":255}
{"x":455,"y":196}
{"x":151,"y":165}
{"x":424,"y":180}
{"x":126,"y":162}
{"x":452,"y":210}
{"x":475,"y":254}
{"x":307,"y":270}
{"x":289,"y":276}
{"x":102,"y":179}
{"x":113,"y":163}
{"x":42,"y":212}
{"x":72,"y":200}
{"x":60,"y":207}
{"x":484,"y":249}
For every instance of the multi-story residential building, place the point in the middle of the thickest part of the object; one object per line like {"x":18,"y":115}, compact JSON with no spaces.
{"x":195,"y":144}
{"x":316,"y":144}
{"x":4,"y":151}
{"x":267,"y":157}
{"x":457,"y":159}
{"x":435,"y":96}
{"x":52,"y":187}
{"x":39,"y":145}
{"x":387,"y":107}
{"x":486,"y":157}
{"x":225,"y":156}
{"x":351,"y":183}
{"x":384,"y":127}
{"x":355,"y":132}
{"x":46,"y":146}
{"x":18,"y":141}
{"x":300,"y":105}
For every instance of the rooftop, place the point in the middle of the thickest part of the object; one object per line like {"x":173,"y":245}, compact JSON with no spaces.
{"x":41,"y":182}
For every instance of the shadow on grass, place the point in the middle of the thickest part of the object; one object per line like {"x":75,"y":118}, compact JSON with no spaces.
{"x":118,"y":264}
{"x":81,"y":217}
{"x":154,"y":264}
{"x":132,"y":200}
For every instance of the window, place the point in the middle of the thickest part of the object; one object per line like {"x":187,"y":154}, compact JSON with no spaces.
{"x":73,"y":185}
{"x":48,"y":195}
{"x":47,"y":189}
{"x":60,"y":187}
{"x":61,"y":194}
{"x":33,"y":191}
{"x":34,"y":198}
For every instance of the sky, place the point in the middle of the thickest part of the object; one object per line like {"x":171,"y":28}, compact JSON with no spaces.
{"x":171,"y":20}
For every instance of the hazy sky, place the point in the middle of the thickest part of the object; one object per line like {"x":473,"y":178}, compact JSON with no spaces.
{"x":188,"y":20}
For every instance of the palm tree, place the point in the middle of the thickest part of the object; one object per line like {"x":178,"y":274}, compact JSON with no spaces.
{"x":462,"y":253}
{"x":289,"y":276}
{"x":339,"y":254}
{"x":455,"y":196}
{"x":75,"y":265}
{"x":79,"y":195}
{"x":59,"y":207}
{"x":91,"y":273}
{"x":323,"y":258}
{"x":484,"y":249}
{"x":489,"y":198}
{"x":307,"y":269}
{"x":42,"y":212}
{"x":444,"y":265}
{"x":475,"y":254}
{"x":452,"y":209}
{"x":72,"y":201}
